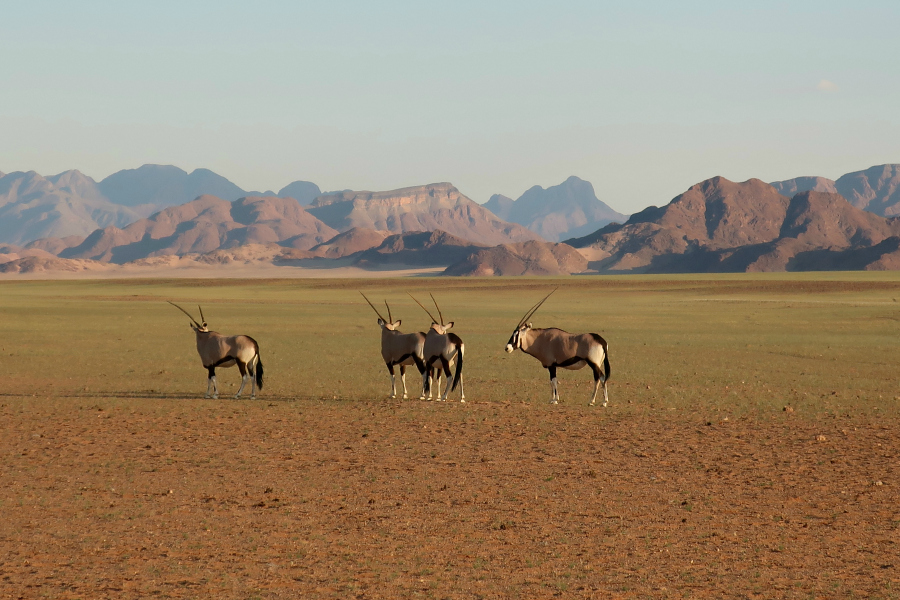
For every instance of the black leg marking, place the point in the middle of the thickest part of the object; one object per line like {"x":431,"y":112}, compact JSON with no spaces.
{"x":390,"y":367}
{"x":552,"y":369}
{"x":571,"y":361}
{"x":596,"y":369}
{"x":211,"y":371}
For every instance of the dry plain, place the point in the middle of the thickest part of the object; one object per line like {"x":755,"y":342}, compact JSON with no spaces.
{"x":749,"y":450}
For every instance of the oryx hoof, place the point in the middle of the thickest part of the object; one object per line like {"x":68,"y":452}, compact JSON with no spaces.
{"x":214,"y":396}
{"x":206,"y":396}
{"x":236,"y":396}
{"x":554,"y":401}
{"x":462,"y":400}
{"x":405,"y":396}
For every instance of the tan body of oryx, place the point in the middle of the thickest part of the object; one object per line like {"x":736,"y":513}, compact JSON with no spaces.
{"x":217,"y":350}
{"x":399,"y":349}
{"x":556,"y":348}
{"x":443,"y":350}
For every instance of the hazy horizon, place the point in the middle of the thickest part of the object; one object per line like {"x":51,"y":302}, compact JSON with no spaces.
{"x":642,"y":101}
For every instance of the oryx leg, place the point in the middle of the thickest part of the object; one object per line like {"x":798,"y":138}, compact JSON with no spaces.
{"x":598,"y":380}
{"x":403,"y":379}
{"x":251,"y":367}
{"x":390,"y":368}
{"x":426,"y":382}
{"x":429,"y":380}
{"x":448,"y":378}
{"x":242,"y":367}
{"x":554,"y":392}
{"x":211,"y":383}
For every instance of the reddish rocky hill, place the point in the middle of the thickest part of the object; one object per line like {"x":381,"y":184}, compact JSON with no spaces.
{"x":526,"y":258}
{"x":438,"y":206}
{"x":350,"y":242}
{"x":722,"y":226}
{"x":204,"y":225}
{"x":419,"y":248}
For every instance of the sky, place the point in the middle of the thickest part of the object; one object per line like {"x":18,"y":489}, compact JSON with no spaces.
{"x":643,"y":99}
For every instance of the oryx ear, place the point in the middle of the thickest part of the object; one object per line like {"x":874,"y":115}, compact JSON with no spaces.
{"x":204,"y":325}
{"x":528,"y":325}
{"x":397,"y":323}
{"x":381,"y":322}
{"x":448,"y":325}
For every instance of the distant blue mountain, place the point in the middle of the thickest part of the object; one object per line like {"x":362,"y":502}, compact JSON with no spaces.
{"x":165,"y":185}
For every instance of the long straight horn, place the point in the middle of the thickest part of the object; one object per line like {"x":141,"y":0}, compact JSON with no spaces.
{"x":202,"y":318}
{"x":433,"y":320}
{"x":533,"y":310}
{"x":185,"y":312}
{"x":390,"y":316}
{"x":438,"y":308}
{"x":373,"y":308}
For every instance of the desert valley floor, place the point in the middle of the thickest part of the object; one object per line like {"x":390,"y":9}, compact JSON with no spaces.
{"x":756,"y":457}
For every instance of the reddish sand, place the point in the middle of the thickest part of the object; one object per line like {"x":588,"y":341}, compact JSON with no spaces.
{"x":185,"y":498}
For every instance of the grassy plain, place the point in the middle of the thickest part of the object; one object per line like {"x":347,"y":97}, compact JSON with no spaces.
{"x":749,"y":449}
{"x":815,"y":342}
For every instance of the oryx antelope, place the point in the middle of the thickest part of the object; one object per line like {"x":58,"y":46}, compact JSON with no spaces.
{"x":399,"y":349}
{"x":557,"y":348}
{"x":443,"y":347}
{"x":218,"y":350}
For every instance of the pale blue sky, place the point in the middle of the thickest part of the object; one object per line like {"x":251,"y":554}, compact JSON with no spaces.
{"x":642,"y":99}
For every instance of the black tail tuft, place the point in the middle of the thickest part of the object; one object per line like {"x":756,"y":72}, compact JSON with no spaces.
{"x":606,"y":361}
{"x":259,"y":372}
{"x":459,"y":361}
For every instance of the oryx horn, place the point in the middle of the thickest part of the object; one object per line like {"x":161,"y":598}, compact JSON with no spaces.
{"x":202,"y":318}
{"x":532,"y":310}
{"x":440,"y":314}
{"x":390,"y":316}
{"x":194,"y":321}
{"x":375,"y":309}
{"x":433,"y":320}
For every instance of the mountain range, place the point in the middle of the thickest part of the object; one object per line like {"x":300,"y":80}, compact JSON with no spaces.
{"x":722,"y":226}
{"x":877,"y":189}
{"x":432,"y":225}
{"x":805,"y":223}
{"x":33,"y":206}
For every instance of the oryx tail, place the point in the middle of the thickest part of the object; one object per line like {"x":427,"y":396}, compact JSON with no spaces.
{"x":459,"y":360}
{"x":605,"y":346}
